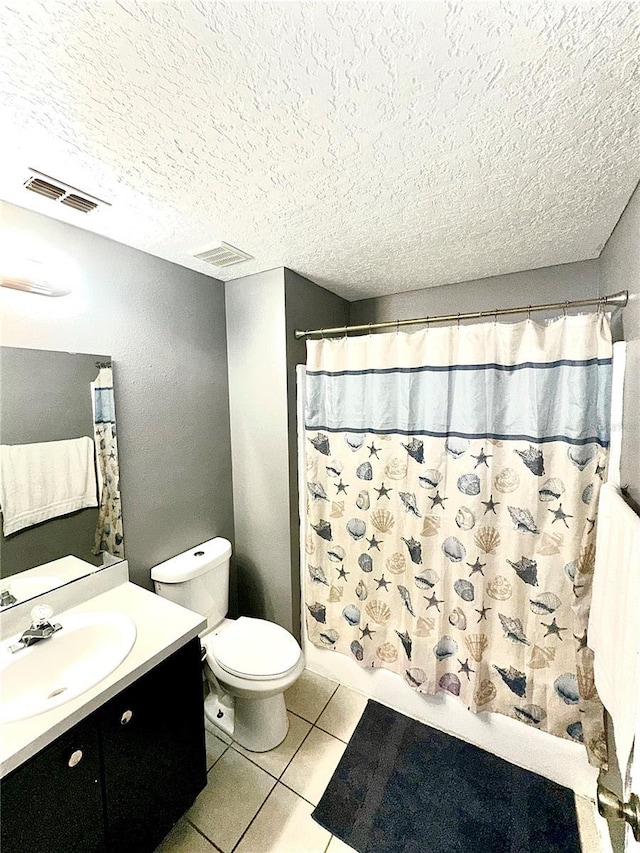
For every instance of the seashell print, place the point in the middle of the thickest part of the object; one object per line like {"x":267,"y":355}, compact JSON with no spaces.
{"x":506,"y":481}
{"x":356,"y":650}
{"x":414,"y":548}
{"x":415,"y":449}
{"x":550,"y":544}
{"x":574,"y":730}
{"x":356,"y":528}
{"x":499,"y":588}
{"x":566,"y":686}
{"x":533,"y":459}
{"x":406,"y":598}
{"x":378,"y":612}
{"x":364,"y":471}
{"x":513,"y":630}
{"x":382,"y":520}
{"x":415,"y":677}
{"x":522,"y":519}
{"x":515,"y":680}
{"x":365,"y":562}
{"x":570,"y":570}
{"x":387,"y":652}
{"x":485,"y":692}
{"x":396,"y":563}
{"x":487,"y":539}
{"x":456,"y":447}
{"x":427,"y":579}
{"x":317,"y":492}
{"x":321,"y":444}
{"x":464,"y":589}
{"x":318,"y":611}
{"x":336,"y":553}
{"x":580,"y":456}
{"x":545,"y":603}
{"x":598,"y":746}
{"x":395,"y":469}
{"x":363,"y":501}
{"x":430,"y":526}
{"x":362,"y":592}
{"x":526,"y":569}
{"x":445,"y":648}
{"x":586,"y":683}
{"x":532,"y":714}
{"x":465,"y":519}
{"x":469,"y":484}
{"x":551,"y":490}
{"x":351,"y":614}
{"x":587,"y":559}
{"x":309,"y":547}
{"x":337,"y":509}
{"x":453,"y":549}
{"x":317,"y":575}
{"x":587,"y":494}
{"x":354,"y":441}
{"x":334,"y":468}
{"x":336,"y":593}
{"x":430,"y":478}
{"x":541,"y":657}
{"x":409,"y":501}
{"x":424,"y":626}
{"x":477,"y":645}
{"x":308,"y":464}
{"x":330,"y":637}
{"x":450,"y":682}
{"x":323,"y":529}
{"x":406,"y":641}
{"x":457,"y":619}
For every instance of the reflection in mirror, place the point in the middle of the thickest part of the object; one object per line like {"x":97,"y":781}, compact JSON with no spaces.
{"x":59,"y":471}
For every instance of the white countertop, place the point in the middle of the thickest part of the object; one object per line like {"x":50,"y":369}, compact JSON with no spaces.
{"x":162,"y":628}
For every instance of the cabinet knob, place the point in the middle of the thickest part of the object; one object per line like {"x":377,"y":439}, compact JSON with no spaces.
{"x":126,"y":718}
{"x":75,"y":757}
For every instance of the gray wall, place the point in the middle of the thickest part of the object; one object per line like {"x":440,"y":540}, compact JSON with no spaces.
{"x":164,"y":327}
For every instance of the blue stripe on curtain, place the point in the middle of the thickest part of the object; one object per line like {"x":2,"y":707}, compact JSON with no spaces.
{"x":557,"y":401}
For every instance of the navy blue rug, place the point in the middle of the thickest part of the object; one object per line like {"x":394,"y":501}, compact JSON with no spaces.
{"x":402,"y":787}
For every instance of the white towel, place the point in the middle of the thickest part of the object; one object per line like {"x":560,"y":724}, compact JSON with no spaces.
{"x":614,"y":620}
{"x":44,"y":480}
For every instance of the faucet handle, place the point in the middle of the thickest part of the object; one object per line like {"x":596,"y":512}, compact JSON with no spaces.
{"x":41,"y":614}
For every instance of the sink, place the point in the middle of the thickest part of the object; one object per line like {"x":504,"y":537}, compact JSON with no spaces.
{"x":87,"y":649}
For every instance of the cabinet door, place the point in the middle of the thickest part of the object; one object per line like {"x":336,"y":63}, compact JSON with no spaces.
{"x":153,"y":752}
{"x":53,"y":802}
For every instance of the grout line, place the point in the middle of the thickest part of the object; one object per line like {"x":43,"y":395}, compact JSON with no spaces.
{"x":298,"y":794}
{"x":200,"y":832}
{"x":246,"y":829}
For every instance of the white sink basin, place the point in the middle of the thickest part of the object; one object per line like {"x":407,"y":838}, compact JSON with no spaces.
{"x":87,"y":649}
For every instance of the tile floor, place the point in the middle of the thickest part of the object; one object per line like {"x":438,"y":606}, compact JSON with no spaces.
{"x":262,"y":802}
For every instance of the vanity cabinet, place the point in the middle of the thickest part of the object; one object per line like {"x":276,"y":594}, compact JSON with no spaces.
{"x":120,"y":779}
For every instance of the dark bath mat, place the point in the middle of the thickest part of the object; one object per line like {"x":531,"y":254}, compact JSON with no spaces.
{"x":402,"y":787}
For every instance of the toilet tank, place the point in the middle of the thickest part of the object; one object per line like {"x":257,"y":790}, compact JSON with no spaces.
{"x":198,"y":579}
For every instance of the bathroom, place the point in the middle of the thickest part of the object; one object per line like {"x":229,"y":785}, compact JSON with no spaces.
{"x":205,"y":369}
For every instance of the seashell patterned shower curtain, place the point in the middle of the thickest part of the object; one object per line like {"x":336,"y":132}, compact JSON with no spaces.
{"x":109,"y":537}
{"x":452,"y":484}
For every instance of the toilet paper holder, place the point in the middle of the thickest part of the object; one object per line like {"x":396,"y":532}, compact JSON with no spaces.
{"x":611,"y":806}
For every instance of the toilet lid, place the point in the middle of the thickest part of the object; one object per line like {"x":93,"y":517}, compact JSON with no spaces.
{"x":254,"y":648}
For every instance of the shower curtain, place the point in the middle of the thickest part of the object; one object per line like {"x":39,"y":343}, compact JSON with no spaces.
{"x":109,"y":536}
{"x":452,"y":482}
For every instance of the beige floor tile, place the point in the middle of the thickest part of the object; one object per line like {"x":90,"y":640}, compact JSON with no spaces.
{"x":308,"y":696}
{"x":183,"y":838}
{"x":276,"y":760}
{"x":215,"y":748}
{"x":284,"y":825}
{"x":341,"y":715}
{"x":235,"y":790}
{"x":337,"y":846}
{"x":313,"y":765}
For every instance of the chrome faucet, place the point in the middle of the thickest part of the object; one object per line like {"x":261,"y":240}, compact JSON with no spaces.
{"x":7,"y":598}
{"x":40,"y":629}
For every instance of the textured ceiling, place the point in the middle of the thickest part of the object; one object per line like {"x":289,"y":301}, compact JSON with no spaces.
{"x":374,"y":147}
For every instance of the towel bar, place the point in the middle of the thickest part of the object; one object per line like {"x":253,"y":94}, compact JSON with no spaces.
{"x":611,"y":806}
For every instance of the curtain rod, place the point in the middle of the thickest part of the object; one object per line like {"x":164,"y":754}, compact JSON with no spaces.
{"x":616,"y":300}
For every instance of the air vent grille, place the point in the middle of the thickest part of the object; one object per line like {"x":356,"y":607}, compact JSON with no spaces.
{"x":57,"y":190}
{"x":44,"y":188}
{"x":79,"y":203}
{"x":223,"y":255}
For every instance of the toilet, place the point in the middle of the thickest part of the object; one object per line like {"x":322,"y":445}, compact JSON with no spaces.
{"x":248,"y":663}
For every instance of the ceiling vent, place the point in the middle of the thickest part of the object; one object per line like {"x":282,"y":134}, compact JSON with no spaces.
{"x":56,"y":190}
{"x":223,"y":255}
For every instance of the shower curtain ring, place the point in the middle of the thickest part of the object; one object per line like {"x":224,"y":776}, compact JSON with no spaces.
{"x":458,"y":320}
{"x":529,"y":312}
{"x":397,"y":326}
{"x":566,"y":306}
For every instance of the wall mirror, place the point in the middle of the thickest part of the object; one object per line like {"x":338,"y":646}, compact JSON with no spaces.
{"x":57,"y":424}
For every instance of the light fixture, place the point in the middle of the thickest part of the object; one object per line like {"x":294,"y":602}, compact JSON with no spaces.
{"x":31,"y":276}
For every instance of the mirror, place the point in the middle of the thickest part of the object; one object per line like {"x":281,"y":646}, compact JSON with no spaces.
{"x":65,"y":399}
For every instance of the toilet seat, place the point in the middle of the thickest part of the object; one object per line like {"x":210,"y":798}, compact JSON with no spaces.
{"x":254,"y":649}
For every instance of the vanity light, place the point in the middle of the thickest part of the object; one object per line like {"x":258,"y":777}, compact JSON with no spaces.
{"x":32,"y":278}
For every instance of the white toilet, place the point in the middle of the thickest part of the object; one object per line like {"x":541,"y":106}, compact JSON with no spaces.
{"x":249,"y":663}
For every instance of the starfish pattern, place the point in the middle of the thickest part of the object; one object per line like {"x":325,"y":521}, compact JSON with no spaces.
{"x":582,"y":641}
{"x":553,"y":628}
{"x":433,"y":602}
{"x":382,"y":583}
{"x":382,"y":492}
{"x":341,"y":487}
{"x":342,"y":573}
{"x":476,"y":567}
{"x":464,"y":667}
{"x":366,"y":632}
{"x":482,"y":612}
{"x":373,"y":450}
{"x":560,"y":515}
{"x":374,"y":543}
{"x":482,"y":458}
{"x":490,"y":505}
{"x":437,"y":499}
